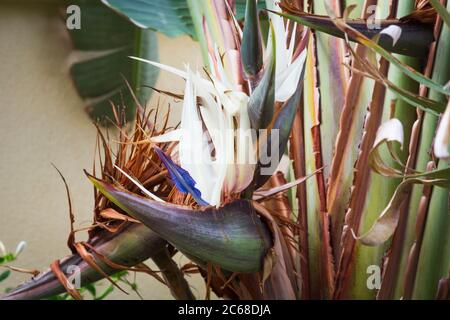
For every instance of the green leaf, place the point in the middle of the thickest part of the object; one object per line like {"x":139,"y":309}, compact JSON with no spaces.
{"x":370,"y":69}
{"x":414,"y":41}
{"x":7,"y":258}
{"x":415,"y":100}
{"x":283,"y":124}
{"x":445,"y":15}
{"x":91,"y":289}
{"x":434,"y":258}
{"x":177,"y":17}
{"x":100,"y":62}
{"x":285,"y":117}
{"x":241,"y":7}
{"x":5,"y":274}
{"x":170,"y":17}
{"x":353,"y":33}
{"x":384,"y":227}
{"x":251,"y":49}
{"x":262,"y":100}
{"x":105,"y":293}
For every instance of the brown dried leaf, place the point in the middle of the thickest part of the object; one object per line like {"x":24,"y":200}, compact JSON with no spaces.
{"x":64,"y":281}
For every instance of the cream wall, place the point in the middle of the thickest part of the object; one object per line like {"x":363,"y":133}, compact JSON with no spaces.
{"x":42,"y":122}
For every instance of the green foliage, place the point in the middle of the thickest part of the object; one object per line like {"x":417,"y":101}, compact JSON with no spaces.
{"x":262,"y":100}
{"x":101,"y":65}
{"x":92,"y":290}
{"x":7,"y":257}
{"x":251,"y":50}
{"x":173,"y":17}
{"x":5,"y":274}
{"x":170,"y":17}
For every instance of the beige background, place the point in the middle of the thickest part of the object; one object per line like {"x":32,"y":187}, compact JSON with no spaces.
{"x":42,"y":122}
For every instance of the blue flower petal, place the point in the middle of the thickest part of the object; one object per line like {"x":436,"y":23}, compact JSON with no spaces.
{"x":181,"y":178}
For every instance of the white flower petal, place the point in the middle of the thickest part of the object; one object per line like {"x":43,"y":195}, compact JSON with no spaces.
{"x":394,"y":32}
{"x":20,"y":247}
{"x":194,"y":151}
{"x":2,"y":249}
{"x":173,"y":70}
{"x":442,"y":141}
{"x":390,"y":131}
{"x":292,"y":42}
{"x":170,"y":136}
{"x":221,"y":73}
{"x":286,"y":82}
{"x":245,"y":152}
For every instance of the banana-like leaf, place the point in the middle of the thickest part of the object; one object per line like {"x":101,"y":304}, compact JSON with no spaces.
{"x":350,"y":182}
{"x":433,"y":256}
{"x":376,"y":200}
{"x":100,"y":66}
{"x":131,"y":246}
{"x":320,"y":278}
{"x":251,"y":48}
{"x":232,"y":237}
{"x":171,"y":17}
{"x":414,"y":40}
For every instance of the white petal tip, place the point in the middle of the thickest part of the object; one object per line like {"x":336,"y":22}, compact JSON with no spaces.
{"x":394,"y":32}
{"x":20,"y":247}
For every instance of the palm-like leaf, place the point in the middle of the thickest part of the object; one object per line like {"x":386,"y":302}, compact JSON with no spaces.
{"x":100,"y":66}
{"x":170,"y":17}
